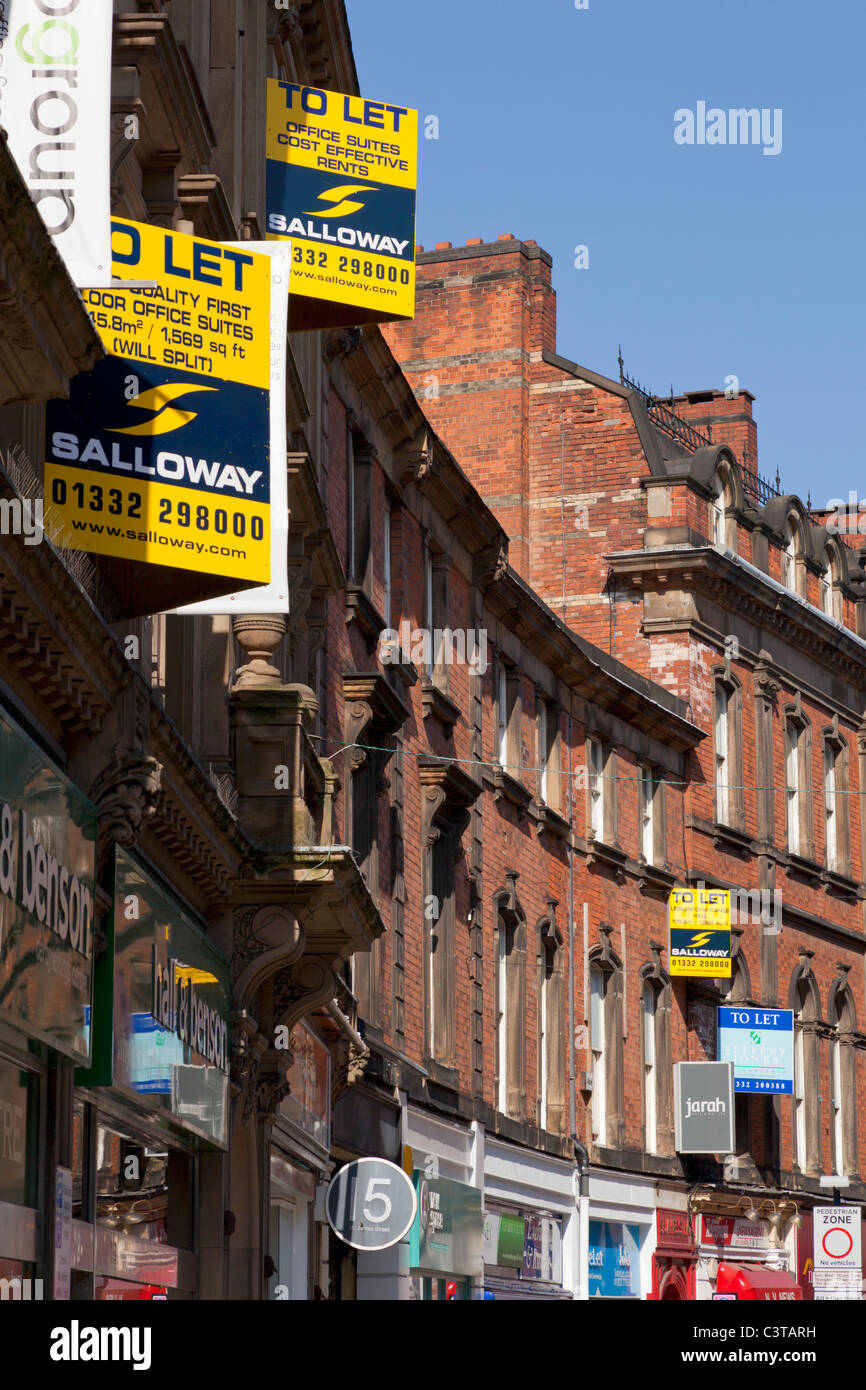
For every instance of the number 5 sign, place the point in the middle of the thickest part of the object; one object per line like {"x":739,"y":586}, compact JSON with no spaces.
{"x":371,"y":1204}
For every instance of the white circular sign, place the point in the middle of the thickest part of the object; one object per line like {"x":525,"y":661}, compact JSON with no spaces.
{"x":371,"y":1204}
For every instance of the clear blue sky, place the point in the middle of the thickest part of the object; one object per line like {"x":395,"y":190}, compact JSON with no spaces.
{"x":557,"y":124}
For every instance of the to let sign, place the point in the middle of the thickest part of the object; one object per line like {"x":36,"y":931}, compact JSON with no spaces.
{"x":760,"y":1043}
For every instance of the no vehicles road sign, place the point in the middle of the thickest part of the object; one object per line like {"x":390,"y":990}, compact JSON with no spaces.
{"x":837,"y":1253}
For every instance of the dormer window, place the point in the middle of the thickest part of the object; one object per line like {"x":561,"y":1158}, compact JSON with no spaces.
{"x":791,"y":556}
{"x":828,"y":584}
{"x":723,"y":530}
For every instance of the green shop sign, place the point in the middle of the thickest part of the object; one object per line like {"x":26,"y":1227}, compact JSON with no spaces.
{"x":163,"y":995}
{"x":447,"y":1230}
{"x":47,"y":860}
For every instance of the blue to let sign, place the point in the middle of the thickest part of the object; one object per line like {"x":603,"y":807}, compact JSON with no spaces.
{"x":760,"y":1043}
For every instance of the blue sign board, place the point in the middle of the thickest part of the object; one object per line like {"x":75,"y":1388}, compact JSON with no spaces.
{"x":760,"y":1043}
{"x":614,"y":1260}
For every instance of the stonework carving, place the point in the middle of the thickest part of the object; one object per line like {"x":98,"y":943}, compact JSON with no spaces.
{"x":126,"y":796}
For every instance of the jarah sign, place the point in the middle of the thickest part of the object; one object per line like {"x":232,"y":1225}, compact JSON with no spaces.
{"x":704,"y":1107}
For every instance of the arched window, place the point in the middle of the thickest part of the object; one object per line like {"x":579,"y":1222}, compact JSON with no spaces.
{"x":656,"y":1057}
{"x":510,"y":1000}
{"x":805,"y":1001}
{"x":605,"y":1040}
{"x":842,"y":1016}
{"x":792,"y":555}
{"x":828,"y":584}
{"x":798,"y":782}
{"x":723,"y":525}
{"x":728,"y":751}
{"x":551,"y":1024}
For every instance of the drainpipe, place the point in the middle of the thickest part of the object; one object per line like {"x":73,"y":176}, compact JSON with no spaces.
{"x":582,"y":1157}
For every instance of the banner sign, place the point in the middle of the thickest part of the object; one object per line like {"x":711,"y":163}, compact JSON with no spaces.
{"x":447,"y":1234}
{"x":47,"y":904}
{"x":341,"y":180}
{"x":704,"y":1107}
{"x":760,"y":1043}
{"x":55,"y":104}
{"x":700,"y":932}
{"x":274,"y":596}
{"x":160,"y":458}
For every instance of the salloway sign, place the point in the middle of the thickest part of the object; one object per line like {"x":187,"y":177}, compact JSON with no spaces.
{"x":160,"y":460}
{"x":341,"y":180}
{"x":700,"y":932}
{"x":55,"y":104}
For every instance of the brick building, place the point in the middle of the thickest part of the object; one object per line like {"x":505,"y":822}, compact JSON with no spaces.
{"x":645,"y":525}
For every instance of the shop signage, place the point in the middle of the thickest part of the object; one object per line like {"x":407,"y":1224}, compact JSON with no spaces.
{"x":704,"y":1107}
{"x":542,"y":1250}
{"x":55,"y":105}
{"x":47,"y":846}
{"x":614,"y":1260}
{"x":699,"y":921}
{"x":162,"y":1016}
{"x":341,"y":180}
{"x":446,"y":1235}
{"x":370,"y":1204}
{"x":272,"y":597}
{"x":512,"y":1241}
{"x":63,"y":1234}
{"x":160,"y":459}
{"x":674,"y":1229}
{"x":760,"y":1044}
{"x":733,"y":1233}
{"x":308,"y":1104}
{"x":837,"y":1255}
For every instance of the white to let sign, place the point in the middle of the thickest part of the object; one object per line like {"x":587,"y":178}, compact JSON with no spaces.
{"x":837,"y":1255}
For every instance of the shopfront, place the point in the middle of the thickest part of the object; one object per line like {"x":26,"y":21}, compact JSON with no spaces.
{"x":530,"y":1223}
{"x":675,"y":1256}
{"x":445,"y":1256}
{"x":47,"y":853}
{"x":734,"y":1244}
{"x":622,"y":1233}
{"x":153,"y":1106}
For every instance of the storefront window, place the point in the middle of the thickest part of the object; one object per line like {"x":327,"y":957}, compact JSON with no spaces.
{"x":143,"y":1190}
{"x":18,"y":1100}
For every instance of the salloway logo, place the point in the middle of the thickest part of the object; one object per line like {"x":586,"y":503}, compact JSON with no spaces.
{"x":702,"y":938}
{"x":341,"y":198}
{"x":158,"y":400}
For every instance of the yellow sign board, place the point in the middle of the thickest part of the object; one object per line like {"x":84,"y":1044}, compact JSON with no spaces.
{"x":341,"y":178}
{"x":699,"y":922}
{"x":161,"y":456}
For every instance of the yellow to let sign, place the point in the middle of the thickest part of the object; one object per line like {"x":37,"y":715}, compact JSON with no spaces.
{"x":161,"y":456}
{"x":699,"y":921}
{"x":342,"y":172}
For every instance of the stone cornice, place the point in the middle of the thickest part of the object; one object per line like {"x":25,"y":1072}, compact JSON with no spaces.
{"x":739,"y":588}
{"x":177,"y":115}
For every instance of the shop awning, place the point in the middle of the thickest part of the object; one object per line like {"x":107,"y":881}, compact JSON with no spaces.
{"x":757,"y":1283}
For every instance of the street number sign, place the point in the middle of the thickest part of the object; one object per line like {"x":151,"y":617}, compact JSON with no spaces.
{"x":371,"y":1204}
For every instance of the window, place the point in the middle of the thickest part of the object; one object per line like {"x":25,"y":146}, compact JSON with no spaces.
{"x":791,"y":556}
{"x":510,"y":1001}
{"x":447,"y":793}
{"x":828,"y":585}
{"x":722,"y":527}
{"x":721,"y":755}
{"x":605,"y":1040}
{"x":837,"y":853}
{"x":650,"y":791}
{"x":551,"y":1025}
{"x":728,"y":753}
{"x":359,"y":482}
{"x":598,"y":795}
{"x":650,"y":1000}
{"x":598,"y":1042}
{"x":386,"y":566}
{"x":843,"y":1075}
{"x":508,"y":717}
{"x":798,"y":787}
{"x":549,"y":754}
{"x":806,"y":1003}
{"x":429,"y":620}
